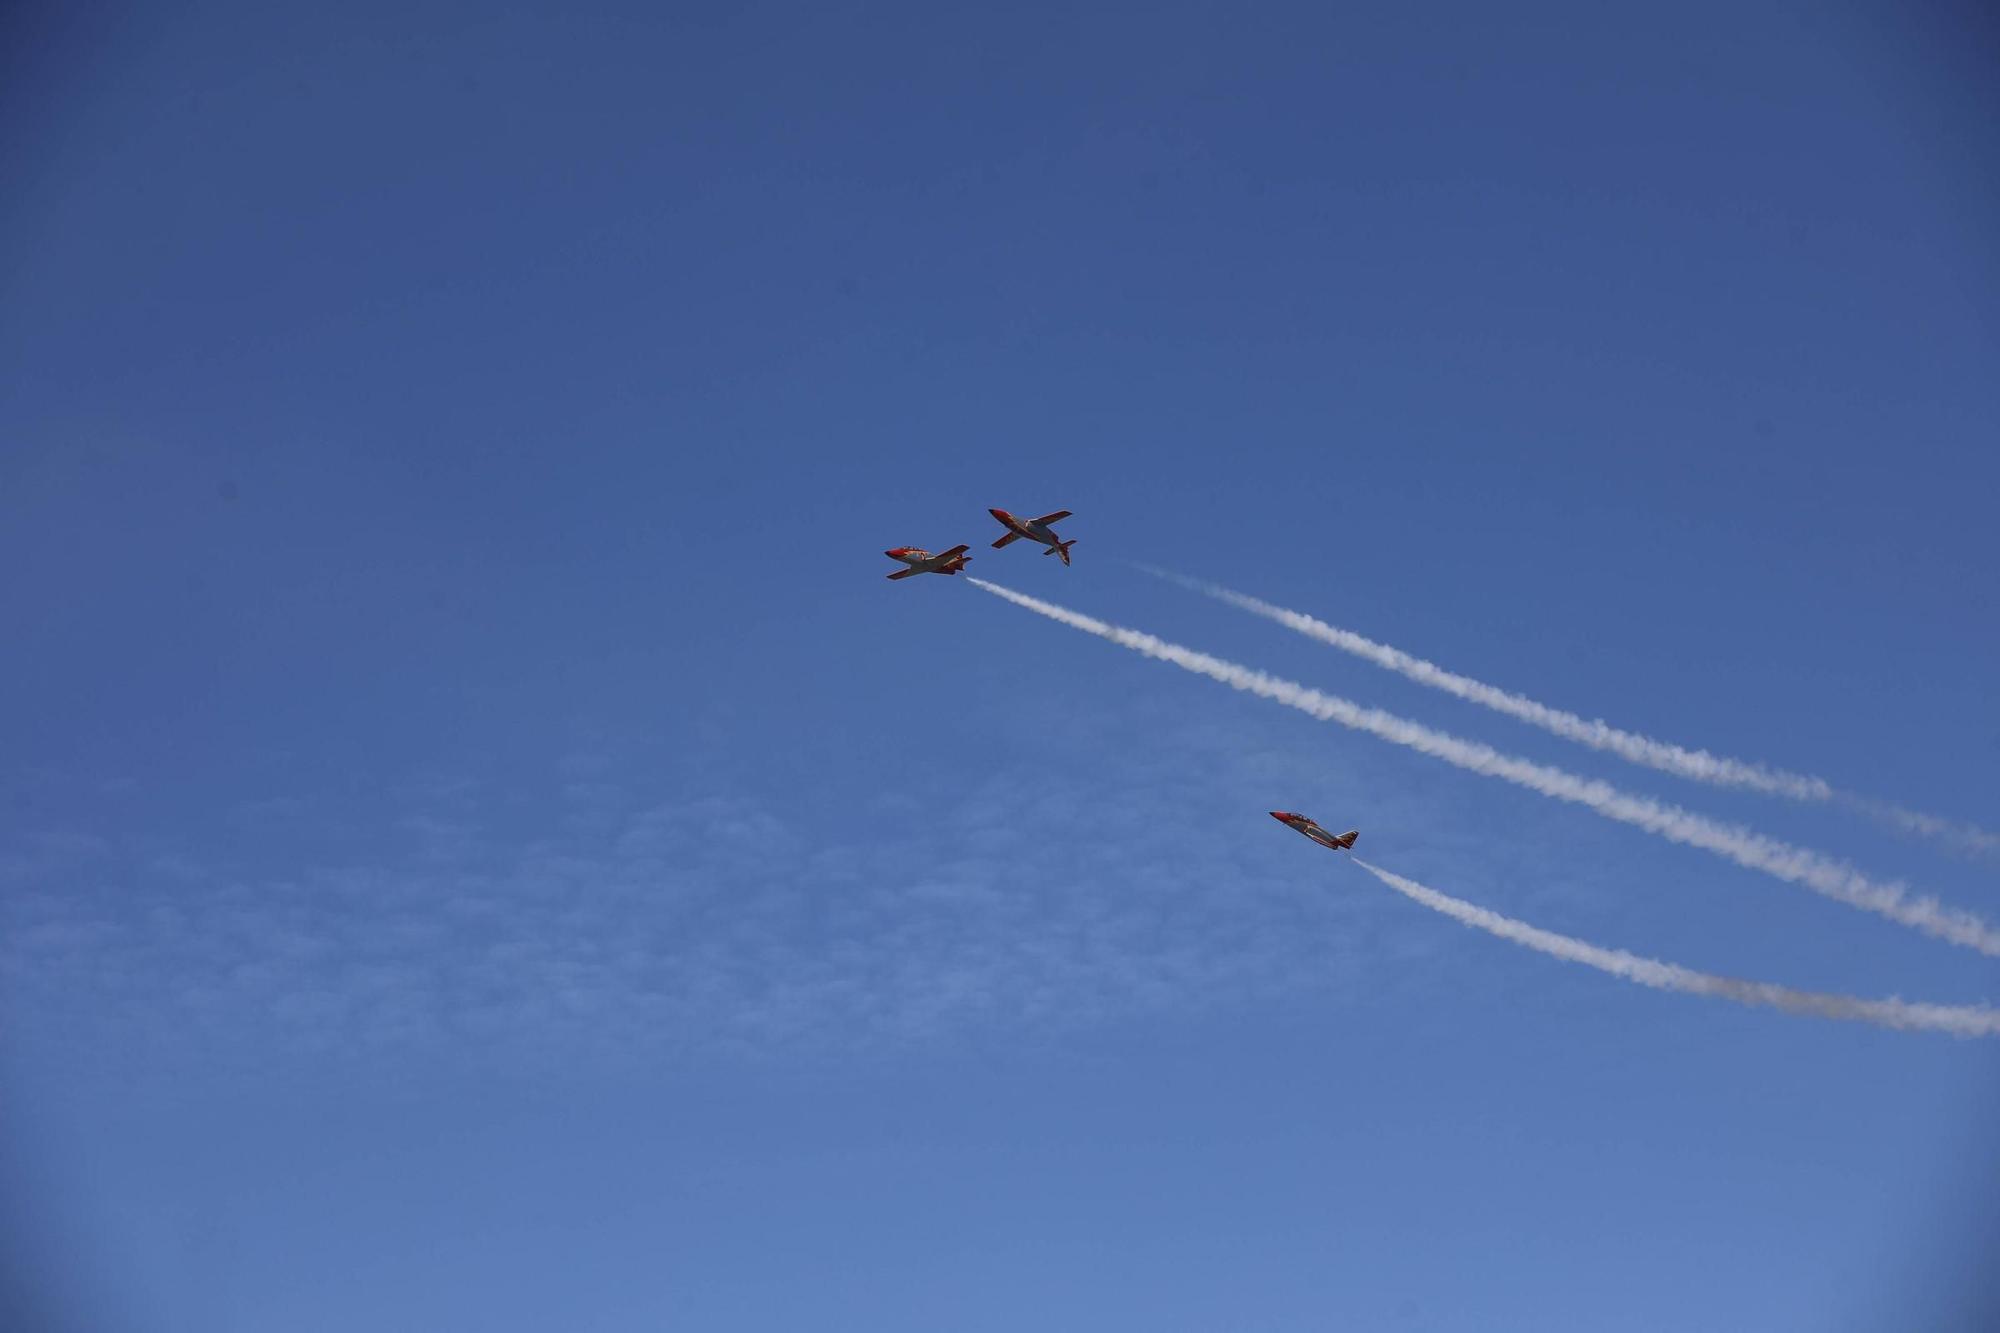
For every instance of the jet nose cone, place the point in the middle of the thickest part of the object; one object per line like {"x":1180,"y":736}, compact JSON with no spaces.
{"x":1280,"y":816}
{"x":1000,"y":514}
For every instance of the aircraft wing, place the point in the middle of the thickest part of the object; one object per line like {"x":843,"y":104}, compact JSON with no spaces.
{"x":953,"y":553}
{"x":1012,"y":536}
{"x":905,"y":573}
{"x":1051,"y":518}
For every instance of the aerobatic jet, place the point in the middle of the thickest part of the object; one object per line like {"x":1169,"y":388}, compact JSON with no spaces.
{"x":921,"y":561}
{"x":1035,"y":530}
{"x":1315,"y":832}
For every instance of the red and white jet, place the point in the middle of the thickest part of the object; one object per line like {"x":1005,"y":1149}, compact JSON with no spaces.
{"x":1312,"y":830}
{"x":921,"y":561}
{"x":1035,"y":530}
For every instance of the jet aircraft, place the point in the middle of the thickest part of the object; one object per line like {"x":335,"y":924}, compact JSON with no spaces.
{"x":921,"y":561}
{"x":1035,"y":530}
{"x":1312,"y":830}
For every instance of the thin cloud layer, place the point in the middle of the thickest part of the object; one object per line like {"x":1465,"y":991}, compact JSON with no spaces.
{"x":647,"y":928}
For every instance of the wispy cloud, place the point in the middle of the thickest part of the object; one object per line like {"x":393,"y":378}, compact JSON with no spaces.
{"x":626,"y":927}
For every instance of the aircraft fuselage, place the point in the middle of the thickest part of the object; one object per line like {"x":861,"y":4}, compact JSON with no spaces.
{"x":1035,"y":530}
{"x":1311,"y":828}
{"x":921,"y":561}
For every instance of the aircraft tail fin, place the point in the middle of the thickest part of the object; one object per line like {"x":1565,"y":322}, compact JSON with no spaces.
{"x":1347,"y":839}
{"x":1061,"y":549}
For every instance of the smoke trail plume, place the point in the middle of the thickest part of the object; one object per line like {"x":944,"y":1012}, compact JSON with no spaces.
{"x":1964,"y":836}
{"x":1958,"y":1020}
{"x":1699,"y":765}
{"x":1746,"y":847}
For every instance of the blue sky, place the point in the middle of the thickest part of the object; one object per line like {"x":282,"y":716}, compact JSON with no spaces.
{"x":481,"y":846}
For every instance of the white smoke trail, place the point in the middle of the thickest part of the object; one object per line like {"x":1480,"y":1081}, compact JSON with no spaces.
{"x":1746,"y":847}
{"x":1699,"y":765}
{"x":1964,"y":836}
{"x":1958,"y":1020}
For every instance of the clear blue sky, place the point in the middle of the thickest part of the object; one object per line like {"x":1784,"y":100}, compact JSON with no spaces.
{"x":482,"y":847}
